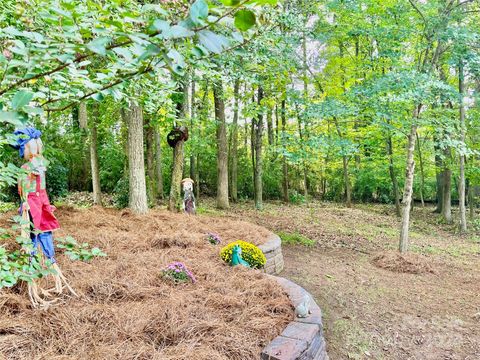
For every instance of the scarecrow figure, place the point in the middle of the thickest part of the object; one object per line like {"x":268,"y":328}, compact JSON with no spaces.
{"x":37,"y":212}
{"x":188,"y":197}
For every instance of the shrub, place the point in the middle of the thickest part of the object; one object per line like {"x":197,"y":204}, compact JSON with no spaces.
{"x":250,"y":253}
{"x":121,"y":193}
{"x":177,"y":272}
{"x":76,"y":251}
{"x":295,"y":197}
{"x":57,"y":180}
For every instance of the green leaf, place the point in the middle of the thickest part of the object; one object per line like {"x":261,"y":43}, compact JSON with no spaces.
{"x":230,"y":2}
{"x":199,"y":11}
{"x":21,"y":98}
{"x":263,"y":2}
{"x":213,"y":42}
{"x":176,"y":32}
{"x":161,"y":25}
{"x":98,"y":45}
{"x":33,"y":110}
{"x":244,"y":19}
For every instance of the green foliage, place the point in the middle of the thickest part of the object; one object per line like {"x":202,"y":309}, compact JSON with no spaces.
{"x":76,"y":251}
{"x":7,"y":206}
{"x":295,"y":239}
{"x":57,"y":182}
{"x":296,"y":198}
{"x":121,"y":193}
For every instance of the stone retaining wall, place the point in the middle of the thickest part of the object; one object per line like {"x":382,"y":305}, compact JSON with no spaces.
{"x":273,"y":252}
{"x":303,"y":338}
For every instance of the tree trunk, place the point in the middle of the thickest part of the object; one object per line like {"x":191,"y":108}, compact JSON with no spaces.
{"x":461,"y":185}
{"x":193,"y":167}
{"x":276,"y":125}
{"x":270,"y":127}
{"x":422,"y":175}
{"x":439,"y":177}
{"x":234,"y":146}
{"x":178,"y":156}
{"x":136,"y":166}
{"x":97,"y":192}
{"x":391,"y":169}
{"x":151,"y":185}
{"x":346,"y":178}
{"x":408,"y":189}
{"x":447,"y":196}
{"x":304,"y":163}
{"x":284,"y":158}
{"x":258,"y":155}
{"x":197,"y":178}
{"x":222,"y":147}
{"x":471,"y":201}
{"x":158,"y":164}
{"x":177,"y":174}
{"x":82,"y":115}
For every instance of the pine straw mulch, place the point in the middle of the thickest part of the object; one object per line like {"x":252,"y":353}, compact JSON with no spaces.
{"x":403,"y":263}
{"x":127,"y":311}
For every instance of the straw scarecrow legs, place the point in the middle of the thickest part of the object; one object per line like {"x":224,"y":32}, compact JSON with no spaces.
{"x":37,"y":213}
{"x":188,"y":197}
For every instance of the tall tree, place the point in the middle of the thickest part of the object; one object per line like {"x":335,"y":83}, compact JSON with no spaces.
{"x":222,"y":146}
{"x":234,"y":144}
{"x":258,"y":123}
{"x":97,"y":193}
{"x":136,"y":164}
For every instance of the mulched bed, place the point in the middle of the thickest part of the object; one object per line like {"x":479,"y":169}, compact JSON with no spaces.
{"x":127,"y":311}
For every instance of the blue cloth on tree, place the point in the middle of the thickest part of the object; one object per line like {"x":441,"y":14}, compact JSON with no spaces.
{"x":45,"y":240}
{"x":24,"y":136}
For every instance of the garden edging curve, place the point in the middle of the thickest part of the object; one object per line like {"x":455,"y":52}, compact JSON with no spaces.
{"x":303,"y":338}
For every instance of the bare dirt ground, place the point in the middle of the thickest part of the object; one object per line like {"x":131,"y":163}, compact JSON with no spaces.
{"x":377,"y":305}
{"x":126,"y":310}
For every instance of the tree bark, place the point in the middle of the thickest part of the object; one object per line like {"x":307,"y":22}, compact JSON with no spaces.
{"x":97,"y":192}
{"x":346,"y":177}
{"x":258,"y":155}
{"x":270,"y":127}
{"x":408,"y":189}
{"x":193,"y":167}
{"x":151,"y":184}
{"x":158,"y":164}
{"x":136,"y":169}
{"x":177,"y":174}
{"x":234,"y":147}
{"x":284,"y":158}
{"x":461,"y":185}
{"x":471,"y":201}
{"x":222,"y":147}
{"x":393,"y":177}
{"x":178,"y":155}
{"x":439,"y":177}
{"x":447,"y":193}
{"x":422,"y":175}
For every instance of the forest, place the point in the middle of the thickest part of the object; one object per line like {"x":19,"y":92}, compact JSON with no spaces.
{"x":336,"y":107}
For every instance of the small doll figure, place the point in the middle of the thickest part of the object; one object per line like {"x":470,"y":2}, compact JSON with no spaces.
{"x":188,"y":197}
{"x":36,"y":209}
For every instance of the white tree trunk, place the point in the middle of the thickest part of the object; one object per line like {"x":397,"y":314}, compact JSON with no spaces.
{"x":408,"y":189}
{"x":97,"y":192}
{"x":461,"y":185}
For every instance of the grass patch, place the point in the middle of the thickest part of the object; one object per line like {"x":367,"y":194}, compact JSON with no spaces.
{"x":295,"y":239}
{"x":357,"y":342}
